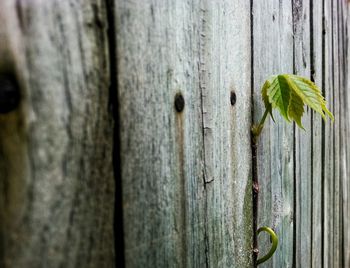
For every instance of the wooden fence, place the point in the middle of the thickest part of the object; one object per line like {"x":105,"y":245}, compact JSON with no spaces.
{"x":125,"y":133}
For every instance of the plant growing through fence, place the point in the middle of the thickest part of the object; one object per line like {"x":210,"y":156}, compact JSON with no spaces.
{"x":288,"y":94}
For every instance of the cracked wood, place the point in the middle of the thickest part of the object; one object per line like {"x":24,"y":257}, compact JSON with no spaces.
{"x":186,"y":176}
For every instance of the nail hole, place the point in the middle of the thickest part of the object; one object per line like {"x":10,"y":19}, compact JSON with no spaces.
{"x":233,"y":98}
{"x":9,"y":93}
{"x":179,"y":102}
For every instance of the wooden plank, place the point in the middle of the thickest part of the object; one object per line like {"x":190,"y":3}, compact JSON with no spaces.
{"x":342,"y":127}
{"x":346,"y":174}
{"x":316,"y":18}
{"x":57,"y":184}
{"x":186,"y":175}
{"x":336,"y":132}
{"x":161,"y":177}
{"x":328,"y":162}
{"x":346,"y":193}
{"x":343,"y":227}
{"x":273,"y":54}
{"x":303,"y":141}
{"x":224,"y":65}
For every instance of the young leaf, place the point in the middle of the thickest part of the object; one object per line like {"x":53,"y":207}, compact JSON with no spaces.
{"x":289,"y":93}
{"x":279,"y":95}
{"x":265,"y":98}
{"x":296,"y":108}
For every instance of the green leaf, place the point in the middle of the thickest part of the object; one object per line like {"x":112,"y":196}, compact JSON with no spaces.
{"x":311,"y":95}
{"x":265,"y":98}
{"x":279,"y":95}
{"x":296,"y":109}
{"x":289,"y":93}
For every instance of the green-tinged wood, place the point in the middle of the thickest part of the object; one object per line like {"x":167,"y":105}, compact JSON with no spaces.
{"x":56,"y":175}
{"x":273,"y":54}
{"x":187,"y":194}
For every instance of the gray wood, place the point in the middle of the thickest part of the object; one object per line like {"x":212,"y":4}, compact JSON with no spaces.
{"x":316,"y":11}
{"x":329,"y":139}
{"x":343,"y":130}
{"x":56,"y":176}
{"x":346,"y":186}
{"x":273,"y":54}
{"x":343,"y":111}
{"x":186,"y":175}
{"x":336,"y":132}
{"x":303,"y":141}
{"x":346,"y":136}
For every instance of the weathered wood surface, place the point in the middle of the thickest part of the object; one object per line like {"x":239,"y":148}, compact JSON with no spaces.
{"x":56,"y":176}
{"x":316,"y":131}
{"x":185,"y":172}
{"x":186,"y":175}
{"x":304,"y":183}
{"x":346,"y":134}
{"x":303,"y":156}
{"x":273,"y":54}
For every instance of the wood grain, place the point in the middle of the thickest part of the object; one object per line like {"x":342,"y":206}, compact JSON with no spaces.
{"x":328,"y":162}
{"x":57,"y":185}
{"x":345,"y":145}
{"x":303,"y":141}
{"x":316,"y":68}
{"x":186,"y":175}
{"x":273,"y":54}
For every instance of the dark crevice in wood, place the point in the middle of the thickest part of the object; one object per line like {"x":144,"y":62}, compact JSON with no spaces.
{"x":323,"y":137}
{"x":20,"y":14}
{"x":294,"y":150}
{"x":9,"y":93}
{"x":118,"y":210}
{"x":341,"y":141}
{"x":294,"y":198}
{"x":333,"y":130}
{"x":343,"y":102}
{"x":255,"y":190}
{"x":255,"y":181}
{"x":202,"y":86}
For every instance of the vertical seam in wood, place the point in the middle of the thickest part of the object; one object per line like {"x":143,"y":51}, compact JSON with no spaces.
{"x":294,"y":153}
{"x":253,"y":145}
{"x":323,"y":135}
{"x":333,"y":129}
{"x":343,"y":103}
{"x":340,"y":75}
{"x":201,"y":65}
{"x":113,"y":99}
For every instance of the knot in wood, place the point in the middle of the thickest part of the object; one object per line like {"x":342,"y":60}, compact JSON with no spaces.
{"x":9,"y":93}
{"x":179,"y":102}
{"x":233,"y":98}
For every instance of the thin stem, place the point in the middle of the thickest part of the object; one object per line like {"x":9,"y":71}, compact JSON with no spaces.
{"x":274,"y":240}
{"x":256,"y":129}
{"x":262,"y":121}
{"x":255,"y":132}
